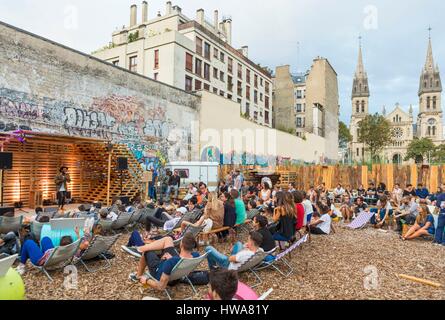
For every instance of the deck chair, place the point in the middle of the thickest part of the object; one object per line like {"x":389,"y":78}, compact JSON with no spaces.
{"x":98,"y":246}
{"x":251,"y":264}
{"x":136,"y":217}
{"x":59,"y":258}
{"x":181,"y":271}
{"x":361,"y":221}
{"x":36,"y":229}
{"x":122,"y":221}
{"x":107,"y":225}
{"x":51,"y":212}
{"x":265,"y":295}
{"x":195,"y":231}
{"x":281,"y":258}
{"x":10,"y":224}
{"x":6,"y":263}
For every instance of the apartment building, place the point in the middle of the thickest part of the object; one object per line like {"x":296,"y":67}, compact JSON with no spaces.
{"x":192,"y":55}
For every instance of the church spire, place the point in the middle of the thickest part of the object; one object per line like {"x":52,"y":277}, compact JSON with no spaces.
{"x":430,"y":78}
{"x":360,"y":85}
{"x":429,"y":63}
{"x":360,"y":72}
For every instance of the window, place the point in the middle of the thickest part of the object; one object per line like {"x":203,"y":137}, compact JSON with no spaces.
{"x":215,"y":53}
{"x":266,"y":117}
{"x":155,"y":76}
{"x":266,"y":102}
{"x":199,"y":46}
{"x":240,"y":71}
{"x":358,"y":152}
{"x":247,"y":92}
{"x":221,"y":93}
{"x":230,"y":66}
{"x":215,"y":90}
{"x":198,"y":84}
{"x":215,"y":73}
{"x":255,"y":115}
{"x":206,"y":71}
{"x":229,"y":96}
{"x":261,"y":97}
{"x":434,"y":102}
{"x":229,"y":83}
{"x":133,"y":64}
{"x":221,"y":76}
{"x":156,"y":59}
{"x":206,"y":87}
{"x":198,"y":67}
{"x":222,"y":57}
{"x":255,"y":97}
{"x":261,"y":81}
{"x":248,"y":76}
{"x":357,"y":106}
{"x":240,"y":88}
{"x":188,"y":83}
{"x":299,"y":108}
{"x":428,"y":102}
{"x":207,"y":51}
{"x":116,"y":62}
{"x":188,"y":62}
{"x":363,"y":106}
{"x":256,"y":81}
{"x":267,"y":87}
{"x":299,"y":94}
{"x":247,"y":109}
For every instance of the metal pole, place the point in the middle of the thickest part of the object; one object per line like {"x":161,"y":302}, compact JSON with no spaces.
{"x":109,"y":178}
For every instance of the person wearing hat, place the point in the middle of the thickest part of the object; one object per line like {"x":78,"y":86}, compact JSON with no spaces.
{"x":61,"y":180}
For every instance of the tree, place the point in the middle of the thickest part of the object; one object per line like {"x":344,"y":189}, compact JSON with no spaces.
{"x":375,"y":133}
{"x":419,"y":149}
{"x":344,"y":136}
{"x":439,"y":153}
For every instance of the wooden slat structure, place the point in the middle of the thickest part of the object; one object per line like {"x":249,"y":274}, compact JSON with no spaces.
{"x":37,"y":161}
{"x":305,"y":176}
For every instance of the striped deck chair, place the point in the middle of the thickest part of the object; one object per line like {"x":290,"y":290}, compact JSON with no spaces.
{"x":181,"y":271}
{"x":361,"y":221}
{"x":136,"y":217}
{"x":122,"y":221}
{"x":98,"y":246}
{"x":59,"y":258}
{"x":107,"y":225}
{"x":10,"y":224}
{"x":281,"y":258}
{"x":250,"y":265}
{"x":36,"y":229}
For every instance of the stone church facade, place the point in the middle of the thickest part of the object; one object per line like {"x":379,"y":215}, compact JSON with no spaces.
{"x":429,"y":122}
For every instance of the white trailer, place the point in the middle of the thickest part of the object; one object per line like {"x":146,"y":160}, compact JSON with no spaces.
{"x":194,"y":172}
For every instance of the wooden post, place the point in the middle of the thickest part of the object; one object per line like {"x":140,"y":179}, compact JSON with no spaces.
{"x":109,"y":177}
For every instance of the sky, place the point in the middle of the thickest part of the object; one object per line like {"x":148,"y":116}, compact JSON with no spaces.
{"x":394,"y":35}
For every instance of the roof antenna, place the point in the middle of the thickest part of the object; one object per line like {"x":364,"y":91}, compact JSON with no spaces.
{"x":298,"y":57}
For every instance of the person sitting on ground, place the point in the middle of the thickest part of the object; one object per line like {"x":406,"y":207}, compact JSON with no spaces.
{"x":409,"y":191}
{"x":299,"y":210}
{"x":371,"y":193}
{"x":284,"y":218}
{"x":346,"y":210}
{"x":308,"y":209}
{"x":265,"y":193}
{"x":222,"y":187}
{"x":203,"y":191}
{"x":321,"y":223}
{"x":192,"y":191}
{"x":422,"y":192}
{"x":240,"y":207}
{"x":361,"y":191}
{"x":397,"y":194}
{"x":252,"y":209}
{"x":9,"y":244}
{"x":244,"y":191}
{"x":381,"y":190}
{"x":213,"y":217}
{"x":292,"y":187}
{"x":423,"y":226}
{"x":360,"y":206}
{"x":407,"y":211}
{"x":252,"y":192}
{"x":311,"y":195}
{"x":268,"y":243}
{"x":382,"y":213}
{"x":161,"y":266}
{"x":339,"y":192}
{"x":223,"y":285}
{"x":39,"y":255}
{"x":240,"y":253}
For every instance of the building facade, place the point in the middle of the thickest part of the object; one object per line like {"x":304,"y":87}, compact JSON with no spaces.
{"x":429,"y":122}
{"x":308,"y":103}
{"x":192,"y":55}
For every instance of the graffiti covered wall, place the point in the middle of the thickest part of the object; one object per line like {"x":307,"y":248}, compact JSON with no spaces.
{"x":49,"y":88}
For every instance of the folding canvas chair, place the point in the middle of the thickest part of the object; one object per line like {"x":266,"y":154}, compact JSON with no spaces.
{"x":6,"y":263}
{"x":195,"y":231}
{"x":107,"y":225}
{"x":265,"y":295}
{"x":282,"y":258}
{"x":10,"y":224}
{"x":51,"y":212}
{"x":122,"y":221}
{"x":361,"y":221}
{"x":182,"y":270}
{"x":59,"y":258}
{"x":251,"y":264}
{"x":147,"y":212}
{"x":136,"y":216}
{"x":36,"y":229}
{"x":98,"y":246}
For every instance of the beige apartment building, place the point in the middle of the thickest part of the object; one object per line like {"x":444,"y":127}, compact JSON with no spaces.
{"x":192,"y":55}
{"x":308,"y":103}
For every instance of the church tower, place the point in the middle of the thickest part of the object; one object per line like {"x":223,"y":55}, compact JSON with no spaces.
{"x":429,"y":121}
{"x":360,"y":107}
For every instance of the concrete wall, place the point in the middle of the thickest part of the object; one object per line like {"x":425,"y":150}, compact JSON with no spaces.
{"x":284,"y":100}
{"x":50,"y":88}
{"x":221,"y":124}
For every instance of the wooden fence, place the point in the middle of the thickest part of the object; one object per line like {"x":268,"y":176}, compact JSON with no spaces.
{"x":306,"y":176}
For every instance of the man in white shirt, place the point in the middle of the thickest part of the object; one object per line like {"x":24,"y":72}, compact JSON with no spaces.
{"x":308,"y":209}
{"x":240,"y":253}
{"x":322,"y":225}
{"x":339,"y":192}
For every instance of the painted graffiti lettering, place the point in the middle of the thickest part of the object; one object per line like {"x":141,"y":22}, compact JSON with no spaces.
{"x":80,"y":118}
{"x":20,"y":109}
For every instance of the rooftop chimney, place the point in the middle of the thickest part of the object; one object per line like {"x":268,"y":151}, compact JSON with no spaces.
{"x":168,"y":8}
{"x":228,"y":29}
{"x":245,"y":51}
{"x":177,"y":9}
{"x":144,"y":12}
{"x":133,"y":15}
{"x":216,"y":20}
{"x":200,"y":16}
